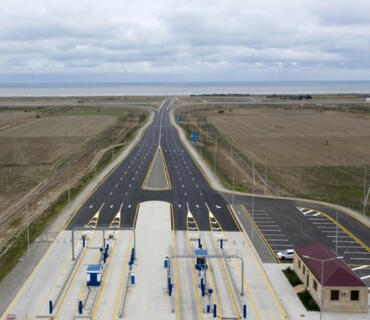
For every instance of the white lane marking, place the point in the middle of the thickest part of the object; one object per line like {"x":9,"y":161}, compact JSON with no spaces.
{"x":129,"y":185}
{"x":201,"y":194}
{"x":136,"y":172}
{"x":111,"y":206}
{"x":179,"y":205}
{"x":278,"y":240}
{"x":349,"y":247}
{"x":121,"y":178}
{"x":133,"y":178}
{"x":365,"y":277}
{"x":91,"y":205}
{"x":183,"y":186}
{"x":355,"y":252}
{"x":196,"y":186}
{"x":116,"y":185}
{"x":218,"y":207}
{"x":197,"y":205}
{"x":125,"y":172}
{"x":316,"y":214}
{"x":361,"y":267}
{"x":110,"y":193}
{"x":322,"y":223}
{"x":271,"y":230}
{"x":193,"y":179}
{"x":185,"y":194}
{"x":126,"y":193}
{"x":129,"y":206}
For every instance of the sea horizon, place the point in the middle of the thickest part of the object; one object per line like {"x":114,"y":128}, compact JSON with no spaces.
{"x":69,"y":89}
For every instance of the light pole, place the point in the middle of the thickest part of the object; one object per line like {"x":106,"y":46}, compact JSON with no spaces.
{"x":214,"y":157}
{"x":28,"y":225}
{"x":322,"y":261}
{"x":69,"y":185}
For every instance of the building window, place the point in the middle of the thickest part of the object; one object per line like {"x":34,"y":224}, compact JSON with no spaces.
{"x":314,"y":284}
{"x":334,"y":295}
{"x":355,"y":295}
{"x":299,"y":264}
{"x":304,"y":269}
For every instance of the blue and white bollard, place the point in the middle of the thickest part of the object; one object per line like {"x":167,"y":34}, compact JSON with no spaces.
{"x":80,"y":307}
{"x":245,"y":311}
{"x":132,"y":278}
{"x":50,"y":307}
{"x":166,"y":262}
{"x":214,"y":311}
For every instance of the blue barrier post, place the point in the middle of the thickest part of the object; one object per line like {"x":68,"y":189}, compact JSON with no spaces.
{"x":170,"y":290}
{"x":202,"y":287}
{"x":83,"y":242}
{"x":245,"y":311}
{"x":222,"y":243}
{"x":132,"y":278}
{"x":208,"y":308}
{"x":80,"y":307}
{"x":166,"y":262}
{"x":214,"y":311}
{"x":210,"y":291}
{"x":199,"y":244}
{"x":50,"y":307}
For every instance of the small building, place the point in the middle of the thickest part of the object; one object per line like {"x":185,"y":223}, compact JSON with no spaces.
{"x":343,"y":290}
{"x":367,"y":99}
{"x":94,"y":275}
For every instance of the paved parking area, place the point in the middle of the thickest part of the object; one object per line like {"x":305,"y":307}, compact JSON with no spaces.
{"x":299,"y":226}
{"x":347,"y":245}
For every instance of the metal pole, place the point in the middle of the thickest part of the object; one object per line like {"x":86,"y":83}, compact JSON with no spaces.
{"x":364,"y":203}
{"x":28,"y":232}
{"x":69,"y":186}
{"x":242,"y":284}
{"x":265,"y":175}
{"x":336,"y":229}
{"x":322,"y":289}
{"x":233,"y":181}
{"x":214,"y":157}
{"x":252,"y":210}
{"x":73,"y":244}
{"x":112,"y":148}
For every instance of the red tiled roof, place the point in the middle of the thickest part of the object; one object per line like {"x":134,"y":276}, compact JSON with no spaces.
{"x":336,"y":272}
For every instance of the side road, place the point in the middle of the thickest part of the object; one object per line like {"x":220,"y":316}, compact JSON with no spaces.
{"x":17,"y":278}
{"x":217,"y":185}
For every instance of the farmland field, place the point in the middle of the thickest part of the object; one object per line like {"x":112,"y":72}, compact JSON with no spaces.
{"x":318,"y":149}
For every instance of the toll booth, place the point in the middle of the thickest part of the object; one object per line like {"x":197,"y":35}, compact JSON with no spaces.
{"x":200,"y":260}
{"x":94,"y":273}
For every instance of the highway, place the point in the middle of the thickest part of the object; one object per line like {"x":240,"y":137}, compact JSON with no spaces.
{"x":189,"y":187}
{"x":124,"y":185}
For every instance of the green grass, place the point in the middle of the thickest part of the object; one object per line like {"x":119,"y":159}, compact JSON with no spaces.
{"x":308,"y":302}
{"x":292,"y":277}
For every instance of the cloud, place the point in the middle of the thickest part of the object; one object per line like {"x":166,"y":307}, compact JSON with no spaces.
{"x":230,"y":39}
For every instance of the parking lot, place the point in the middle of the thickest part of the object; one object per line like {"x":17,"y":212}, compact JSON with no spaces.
{"x":283,"y":229}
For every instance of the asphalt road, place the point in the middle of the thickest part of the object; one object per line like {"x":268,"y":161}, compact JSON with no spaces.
{"x":124,"y":186}
{"x":281,"y":222}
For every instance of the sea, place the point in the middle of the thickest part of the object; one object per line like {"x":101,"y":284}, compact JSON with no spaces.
{"x":182,"y":88}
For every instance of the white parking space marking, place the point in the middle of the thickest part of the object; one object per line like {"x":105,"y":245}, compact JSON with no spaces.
{"x":361,"y":267}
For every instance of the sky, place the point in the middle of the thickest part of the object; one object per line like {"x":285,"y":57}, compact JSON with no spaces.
{"x":171,"y":40}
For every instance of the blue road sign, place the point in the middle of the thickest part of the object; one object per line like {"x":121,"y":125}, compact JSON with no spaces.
{"x":178,"y":118}
{"x":194,"y":136}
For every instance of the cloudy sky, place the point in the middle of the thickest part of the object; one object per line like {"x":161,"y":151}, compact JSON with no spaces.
{"x":162,"y":40}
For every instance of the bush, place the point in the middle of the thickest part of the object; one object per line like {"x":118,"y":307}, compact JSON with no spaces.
{"x":292,"y":277}
{"x":307,"y":300}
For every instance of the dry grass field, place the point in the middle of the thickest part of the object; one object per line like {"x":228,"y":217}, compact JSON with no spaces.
{"x":297,"y":138}
{"x":312,"y":150}
{"x":37,"y":142}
